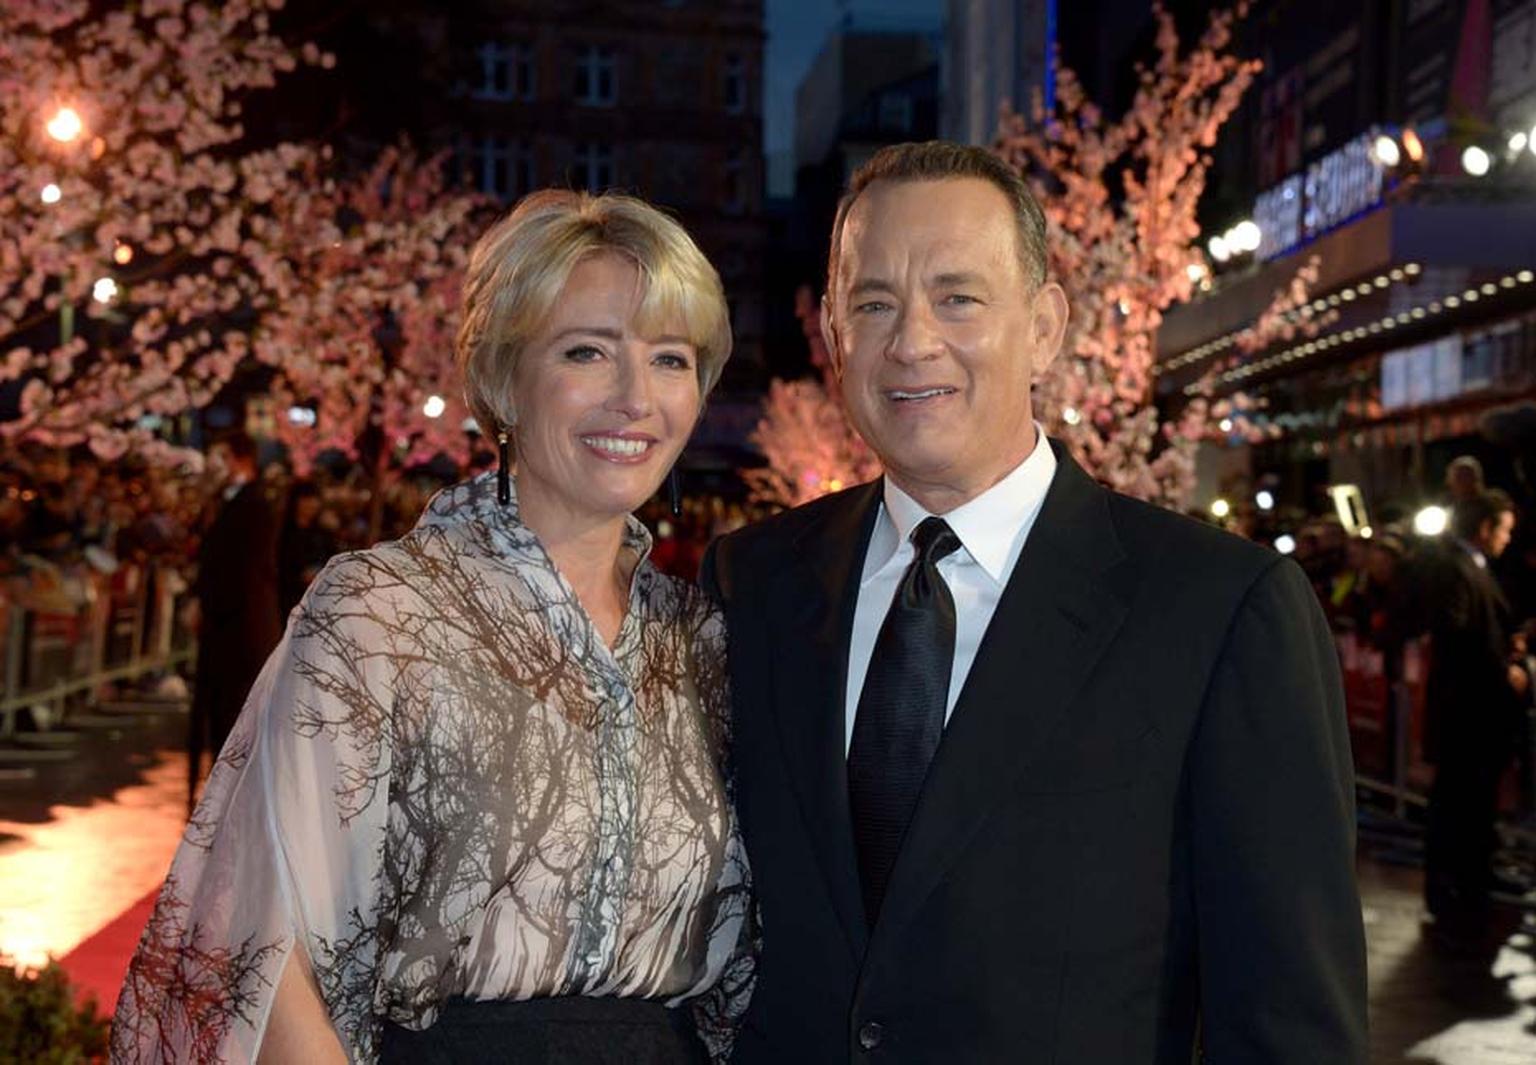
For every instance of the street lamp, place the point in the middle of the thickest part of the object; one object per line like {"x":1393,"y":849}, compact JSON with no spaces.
{"x":65,"y":125}
{"x":104,"y":290}
{"x":1285,"y":543}
{"x":1475,"y":160}
{"x":1265,"y":499}
{"x":51,"y":193}
{"x":434,"y":407}
{"x":1220,"y":508}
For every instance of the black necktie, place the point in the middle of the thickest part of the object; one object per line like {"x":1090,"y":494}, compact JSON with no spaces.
{"x":901,"y":710}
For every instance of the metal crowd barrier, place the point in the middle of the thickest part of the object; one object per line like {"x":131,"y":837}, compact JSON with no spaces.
{"x":64,"y":645}
{"x":1384,"y":698}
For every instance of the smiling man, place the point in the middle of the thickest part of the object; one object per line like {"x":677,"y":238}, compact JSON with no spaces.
{"x":1028,"y":771}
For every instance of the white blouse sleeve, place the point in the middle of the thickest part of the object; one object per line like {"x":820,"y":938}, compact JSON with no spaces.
{"x":286,"y":847}
{"x":736,"y":938}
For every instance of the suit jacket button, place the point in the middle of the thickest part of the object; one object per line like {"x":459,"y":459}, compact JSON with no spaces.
{"x":871,"y":1034}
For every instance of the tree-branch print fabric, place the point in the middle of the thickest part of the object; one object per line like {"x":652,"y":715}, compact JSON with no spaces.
{"x":445,"y":784}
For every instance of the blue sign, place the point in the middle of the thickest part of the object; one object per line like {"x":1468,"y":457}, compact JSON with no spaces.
{"x":1341,"y":185}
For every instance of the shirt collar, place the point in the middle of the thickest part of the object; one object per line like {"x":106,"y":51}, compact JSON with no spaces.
{"x":989,"y":525}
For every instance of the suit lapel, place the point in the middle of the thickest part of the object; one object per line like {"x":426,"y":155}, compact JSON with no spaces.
{"x":1057,"y":615}
{"x":811,"y":670}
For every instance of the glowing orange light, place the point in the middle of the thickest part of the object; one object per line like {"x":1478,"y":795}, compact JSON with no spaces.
{"x":65,"y":125}
{"x":1413,"y":146}
{"x":122,"y":255}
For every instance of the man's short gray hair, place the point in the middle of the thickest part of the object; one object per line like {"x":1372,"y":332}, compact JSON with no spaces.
{"x":940,"y":161}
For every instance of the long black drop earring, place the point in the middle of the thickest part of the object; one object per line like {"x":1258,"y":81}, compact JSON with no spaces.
{"x":503,"y":468}
{"x":675,"y":492}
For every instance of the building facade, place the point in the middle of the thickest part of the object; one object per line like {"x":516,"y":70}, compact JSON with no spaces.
{"x":995,"y":51}
{"x":1390,"y":144}
{"x":661,"y":99}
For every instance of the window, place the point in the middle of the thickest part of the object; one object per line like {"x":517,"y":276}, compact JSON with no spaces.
{"x":594,"y":76}
{"x":734,"y":193}
{"x":506,"y":72}
{"x":735,"y":84}
{"x":499,"y":166}
{"x":593,"y":166}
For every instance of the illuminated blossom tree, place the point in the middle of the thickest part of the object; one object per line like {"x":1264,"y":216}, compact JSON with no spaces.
{"x":1120,"y":199}
{"x":135,"y":234}
{"x":188,"y":260}
{"x":370,"y":272}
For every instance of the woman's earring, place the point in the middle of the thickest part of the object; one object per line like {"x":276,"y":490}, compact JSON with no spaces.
{"x":503,"y":468}
{"x":675,"y":492}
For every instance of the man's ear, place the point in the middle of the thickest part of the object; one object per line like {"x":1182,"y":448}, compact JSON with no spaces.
{"x":829,"y":336}
{"x":1048,"y":326}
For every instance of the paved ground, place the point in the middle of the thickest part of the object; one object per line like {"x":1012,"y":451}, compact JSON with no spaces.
{"x":1426,"y":1007}
{"x":82,"y":840}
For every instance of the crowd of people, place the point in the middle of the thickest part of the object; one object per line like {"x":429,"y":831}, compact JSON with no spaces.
{"x":63,"y":511}
{"x":1462,"y":603}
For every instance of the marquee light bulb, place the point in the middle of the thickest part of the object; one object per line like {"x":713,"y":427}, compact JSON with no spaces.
{"x":1386,"y":151}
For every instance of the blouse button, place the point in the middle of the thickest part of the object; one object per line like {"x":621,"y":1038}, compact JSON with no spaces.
{"x":871,"y":1035}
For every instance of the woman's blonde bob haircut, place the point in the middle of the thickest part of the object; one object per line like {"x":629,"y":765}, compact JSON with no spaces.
{"x":519,"y":267}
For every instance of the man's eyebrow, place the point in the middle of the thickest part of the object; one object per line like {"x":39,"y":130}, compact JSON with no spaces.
{"x":866,"y":285}
{"x":959,"y":278}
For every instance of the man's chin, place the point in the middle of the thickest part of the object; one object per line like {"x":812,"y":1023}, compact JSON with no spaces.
{"x":922,"y":467}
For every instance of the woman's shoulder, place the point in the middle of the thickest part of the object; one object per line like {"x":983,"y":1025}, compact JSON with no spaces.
{"x":674,"y":597}
{"x":366,"y":583}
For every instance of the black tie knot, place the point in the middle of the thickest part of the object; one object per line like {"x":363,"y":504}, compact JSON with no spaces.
{"x":934,"y":539}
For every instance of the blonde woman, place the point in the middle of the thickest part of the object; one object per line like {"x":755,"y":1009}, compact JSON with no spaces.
{"x":475,"y":806}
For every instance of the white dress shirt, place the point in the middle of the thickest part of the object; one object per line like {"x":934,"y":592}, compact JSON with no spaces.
{"x":992,"y":529}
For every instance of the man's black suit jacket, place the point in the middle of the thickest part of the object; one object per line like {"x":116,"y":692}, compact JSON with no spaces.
{"x":1138,"y":827}
{"x":1470,"y":705}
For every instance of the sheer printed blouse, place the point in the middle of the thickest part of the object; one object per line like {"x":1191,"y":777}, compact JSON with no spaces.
{"x":444,"y":783}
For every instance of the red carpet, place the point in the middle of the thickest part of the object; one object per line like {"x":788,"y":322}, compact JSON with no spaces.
{"x":97,"y":965}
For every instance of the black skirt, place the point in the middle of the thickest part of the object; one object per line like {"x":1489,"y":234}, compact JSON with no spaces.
{"x":569,"y":1031}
